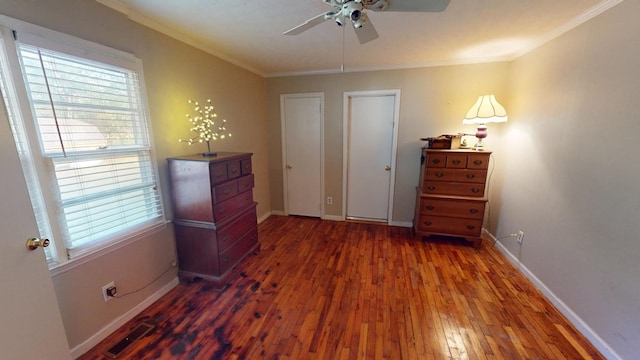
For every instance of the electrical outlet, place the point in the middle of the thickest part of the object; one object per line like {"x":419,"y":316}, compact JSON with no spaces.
{"x":520,"y":237}
{"x":329,"y":200}
{"x":107,"y":289}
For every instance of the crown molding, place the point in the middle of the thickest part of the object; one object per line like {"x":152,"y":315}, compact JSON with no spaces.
{"x":169,"y":31}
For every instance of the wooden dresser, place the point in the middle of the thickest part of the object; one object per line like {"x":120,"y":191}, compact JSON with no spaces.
{"x":451,"y":197}
{"x":214,"y":214}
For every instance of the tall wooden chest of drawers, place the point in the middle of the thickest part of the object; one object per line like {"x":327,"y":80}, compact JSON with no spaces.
{"x":215,"y":218}
{"x":451,"y":196}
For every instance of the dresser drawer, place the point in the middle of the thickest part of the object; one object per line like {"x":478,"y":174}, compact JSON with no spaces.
{"x":228,"y":207}
{"x":478,"y":161}
{"x":232,"y":232}
{"x":454,"y":188}
{"x":440,"y":174}
{"x":449,"y":225}
{"x":245,"y":183}
{"x":218,"y":173}
{"x":234,"y":169}
{"x":456,"y":175}
{"x":224,"y":191}
{"x":472,"y":176}
{"x":460,"y":208}
{"x":436,"y":160}
{"x":456,"y":161}
{"x":245,"y":165}
{"x":237,"y":251}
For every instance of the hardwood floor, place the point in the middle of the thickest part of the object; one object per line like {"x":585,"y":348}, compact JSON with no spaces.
{"x":343,"y":290}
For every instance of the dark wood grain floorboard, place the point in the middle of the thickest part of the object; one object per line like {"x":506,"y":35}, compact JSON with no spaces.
{"x":344,"y":290}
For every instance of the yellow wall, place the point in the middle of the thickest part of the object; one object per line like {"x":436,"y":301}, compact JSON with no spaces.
{"x":174,"y":72}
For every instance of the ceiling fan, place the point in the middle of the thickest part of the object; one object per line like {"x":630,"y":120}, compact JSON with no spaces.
{"x":353,"y":10}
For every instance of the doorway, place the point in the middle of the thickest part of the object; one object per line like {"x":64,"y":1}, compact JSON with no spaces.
{"x":302,"y":117}
{"x":370,"y":143}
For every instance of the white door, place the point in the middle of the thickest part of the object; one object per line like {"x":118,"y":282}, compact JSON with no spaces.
{"x":302,"y":153}
{"x":370,"y":122}
{"x":30,"y":325}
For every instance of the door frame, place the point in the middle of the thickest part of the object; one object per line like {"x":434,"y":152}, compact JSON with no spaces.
{"x":283,"y":134}
{"x":345,"y":144}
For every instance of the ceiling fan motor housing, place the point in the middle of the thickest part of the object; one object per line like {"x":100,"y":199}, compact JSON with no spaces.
{"x":352,"y":10}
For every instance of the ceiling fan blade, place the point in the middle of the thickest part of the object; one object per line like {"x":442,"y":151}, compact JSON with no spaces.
{"x":367,"y":32}
{"x":418,"y":6}
{"x":307,"y":24}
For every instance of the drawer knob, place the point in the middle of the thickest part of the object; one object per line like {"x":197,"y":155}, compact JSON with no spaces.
{"x":225,"y":238}
{"x":470,"y":176}
{"x":234,"y":170}
{"x":226,"y":259}
{"x":431,"y":187}
{"x":456,"y":162}
{"x":222,"y":210}
{"x":475,"y":190}
{"x":473,"y":211}
{"x":436,"y":161}
{"x":226,"y":192}
{"x":427,"y":223}
{"x":439,"y":174}
{"x":429,"y":207}
{"x":477,"y":162}
{"x":471,"y":227}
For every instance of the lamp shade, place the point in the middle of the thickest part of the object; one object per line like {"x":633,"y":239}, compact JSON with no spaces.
{"x":487,"y":109}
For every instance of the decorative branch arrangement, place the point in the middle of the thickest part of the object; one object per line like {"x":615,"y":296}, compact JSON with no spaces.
{"x":203,"y":124}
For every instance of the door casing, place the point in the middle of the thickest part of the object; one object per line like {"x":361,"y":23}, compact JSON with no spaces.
{"x":394,"y":144}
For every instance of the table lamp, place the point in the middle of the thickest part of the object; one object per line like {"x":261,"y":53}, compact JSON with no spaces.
{"x":486,"y":110}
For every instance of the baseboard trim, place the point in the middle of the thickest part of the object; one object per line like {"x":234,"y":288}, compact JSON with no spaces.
{"x":333,"y":218}
{"x":401,"y":224}
{"x":265,"y":216}
{"x":96,"y":338}
{"x":582,"y":326}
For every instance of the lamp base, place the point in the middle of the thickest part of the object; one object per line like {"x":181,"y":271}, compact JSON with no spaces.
{"x":480,"y":134}
{"x":479,"y":146}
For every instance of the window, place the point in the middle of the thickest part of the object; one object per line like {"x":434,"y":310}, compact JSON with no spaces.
{"x":89,"y":141}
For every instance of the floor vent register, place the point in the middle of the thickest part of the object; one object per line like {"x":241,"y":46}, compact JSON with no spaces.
{"x":135,"y":334}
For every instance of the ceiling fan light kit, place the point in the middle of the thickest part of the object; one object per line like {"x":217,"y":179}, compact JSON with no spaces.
{"x":353,"y":10}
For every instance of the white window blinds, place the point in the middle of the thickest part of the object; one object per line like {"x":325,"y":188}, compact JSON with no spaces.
{"x":93,"y":134}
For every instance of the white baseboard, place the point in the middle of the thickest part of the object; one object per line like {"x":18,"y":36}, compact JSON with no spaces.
{"x":582,"y":326}
{"x":333,"y":218}
{"x":95,"y":339}
{"x":265,"y":216}
{"x":401,"y":224}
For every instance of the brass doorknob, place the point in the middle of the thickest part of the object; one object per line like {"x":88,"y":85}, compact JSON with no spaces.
{"x":387,"y":168}
{"x":35,"y":243}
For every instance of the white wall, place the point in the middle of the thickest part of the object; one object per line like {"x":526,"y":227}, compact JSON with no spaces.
{"x":572,"y":174}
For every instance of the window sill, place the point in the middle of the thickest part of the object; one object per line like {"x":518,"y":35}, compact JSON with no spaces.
{"x":58,"y":268}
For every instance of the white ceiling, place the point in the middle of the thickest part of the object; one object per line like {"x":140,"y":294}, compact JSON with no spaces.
{"x":249,"y":32}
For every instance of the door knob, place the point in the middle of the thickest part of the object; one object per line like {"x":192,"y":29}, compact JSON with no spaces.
{"x":288,"y":167}
{"x":34,"y":243}
{"x":387,"y":168}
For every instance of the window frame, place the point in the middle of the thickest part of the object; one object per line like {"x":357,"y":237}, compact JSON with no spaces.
{"x":23,"y":113}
